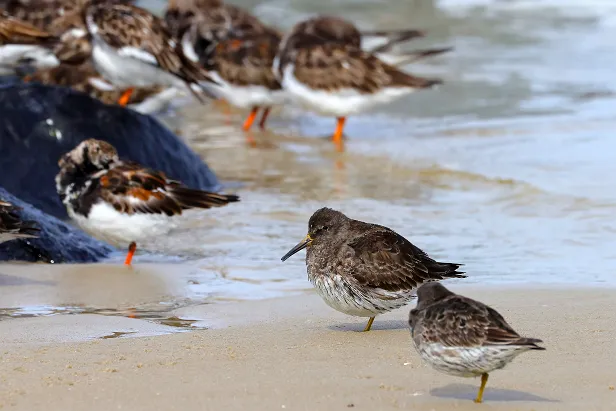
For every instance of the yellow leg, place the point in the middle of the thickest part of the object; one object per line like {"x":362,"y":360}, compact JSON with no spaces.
{"x":370,"y":321}
{"x":484,"y":381}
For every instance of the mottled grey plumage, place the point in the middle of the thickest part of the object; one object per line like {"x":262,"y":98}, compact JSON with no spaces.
{"x":463,"y":337}
{"x":364,"y":269}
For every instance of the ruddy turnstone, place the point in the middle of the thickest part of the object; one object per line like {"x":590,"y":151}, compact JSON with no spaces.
{"x":201,"y":24}
{"x":235,"y":47}
{"x":85,"y":78}
{"x":338,"y":30}
{"x":23,"y":44}
{"x":12,"y":226}
{"x":133,"y":48}
{"x":43,"y":13}
{"x":339,"y":78}
{"x":242,"y":67}
{"x":463,"y":337}
{"x":365,"y":269}
{"x":123,"y":201}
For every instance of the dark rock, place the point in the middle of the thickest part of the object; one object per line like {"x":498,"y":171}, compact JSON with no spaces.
{"x":58,"y":242}
{"x":40,"y":123}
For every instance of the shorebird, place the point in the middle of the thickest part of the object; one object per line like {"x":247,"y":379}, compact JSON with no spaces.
{"x":86,"y":79}
{"x":235,"y":47}
{"x":43,"y":13}
{"x":321,"y":64}
{"x":242,"y":67}
{"x":463,"y":337}
{"x":123,"y":201}
{"x":23,"y":44}
{"x":201,"y":24}
{"x":12,"y":226}
{"x":133,"y":48}
{"x":338,"y":30}
{"x":365,"y":269}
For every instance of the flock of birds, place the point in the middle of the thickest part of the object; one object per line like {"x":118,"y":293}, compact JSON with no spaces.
{"x":218,"y":50}
{"x":360,"y":269}
{"x":125,"y":55}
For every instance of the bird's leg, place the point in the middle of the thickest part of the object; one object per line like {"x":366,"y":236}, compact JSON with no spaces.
{"x":266,"y":112}
{"x":484,"y":381}
{"x":369,"y":325}
{"x":251,"y":118}
{"x":337,"y":139}
{"x":131,"y":251}
{"x":125,"y":97}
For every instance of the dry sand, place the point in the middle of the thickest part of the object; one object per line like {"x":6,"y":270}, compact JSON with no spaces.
{"x":298,"y":354}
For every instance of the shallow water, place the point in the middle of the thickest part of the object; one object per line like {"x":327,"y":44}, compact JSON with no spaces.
{"x":506,"y":168}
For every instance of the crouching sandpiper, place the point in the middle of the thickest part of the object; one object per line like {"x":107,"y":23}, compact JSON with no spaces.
{"x":463,"y":337}
{"x":364,"y":269}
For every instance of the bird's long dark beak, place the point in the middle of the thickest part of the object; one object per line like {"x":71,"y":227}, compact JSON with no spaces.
{"x":302,"y":244}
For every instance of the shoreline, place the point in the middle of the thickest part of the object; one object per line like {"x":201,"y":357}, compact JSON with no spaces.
{"x":297,"y":353}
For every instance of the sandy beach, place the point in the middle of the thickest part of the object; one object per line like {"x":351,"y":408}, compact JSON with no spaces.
{"x":296,"y":353}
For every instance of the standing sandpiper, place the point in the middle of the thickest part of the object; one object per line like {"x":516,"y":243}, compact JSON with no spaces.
{"x":463,"y":337}
{"x":364,"y":269}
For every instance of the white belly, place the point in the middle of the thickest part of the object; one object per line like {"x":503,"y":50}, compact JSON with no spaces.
{"x":159,"y":102}
{"x":12,"y":55}
{"x":340,"y":103}
{"x":126,"y":71}
{"x":245,"y":96}
{"x":106,"y":224}
{"x":468,"y":361}
{"x":342,"y":296}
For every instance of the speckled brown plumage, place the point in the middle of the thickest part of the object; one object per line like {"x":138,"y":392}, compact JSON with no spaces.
{"x":11,"y":224}
{"x":205,"y":23}
{"x":75,"y":45}
{"x":128,"y":187}
{"x":330,"y":29}
{"x":442,"y":316}
{"x":365,"y":269}
{"x":335,"y":29}
{"x":374,"y":255}
{"x":463,"y":337}
{"x":181,"y":14}
{"x":15,"y":31}
{"x":122,"y":25}
{"x":247,"y":62}
{"x":43,"y":13}
{"x":332,"y":67}
{"x":85,"y":78}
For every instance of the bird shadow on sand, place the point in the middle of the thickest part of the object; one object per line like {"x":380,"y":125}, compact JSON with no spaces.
{"x":13,"y":280}
{"x":376,"y":326}
{"x":468,"y":392}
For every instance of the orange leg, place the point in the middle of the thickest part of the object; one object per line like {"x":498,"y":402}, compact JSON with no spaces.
{"x":251,"y":118}
{"x":131,"y":251}
{"x":264,"y":117}
{"x":338,"y":134}
{"x":125,"y":98}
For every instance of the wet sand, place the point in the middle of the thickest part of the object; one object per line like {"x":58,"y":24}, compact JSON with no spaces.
{"x":295,"y":353}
